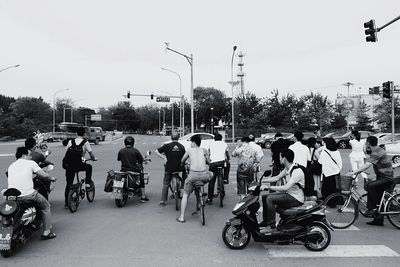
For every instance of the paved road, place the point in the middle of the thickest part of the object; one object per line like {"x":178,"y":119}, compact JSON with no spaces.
{"x":100,"y":234}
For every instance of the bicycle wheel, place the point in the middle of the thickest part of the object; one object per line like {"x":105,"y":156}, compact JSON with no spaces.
{"x":341,"y":210}
{"x":362,"y":205}
{"x":90,"y":192}
{"x":393,"y":210}
{"x":177,"y":189}
{"x":73,"y":200}
{"x":221,"y":190}
{"x":202,"y":215}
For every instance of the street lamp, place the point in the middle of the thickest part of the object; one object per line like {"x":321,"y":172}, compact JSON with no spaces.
{"x":54,"y":107}
{"x":233,"y":99}
{"x":212,"y":120}
{"x":348,"y":84}
{"x":190,"y":60}
{"x":14,"y":66}
{"x":181,"y":110}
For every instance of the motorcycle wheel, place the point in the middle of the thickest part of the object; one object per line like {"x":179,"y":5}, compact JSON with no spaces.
{"x":90,"y":192}
{"x":73,"y":200}
{"x":121,"y":202}
{"x":235,"y":236}
{"x":318,"y":243}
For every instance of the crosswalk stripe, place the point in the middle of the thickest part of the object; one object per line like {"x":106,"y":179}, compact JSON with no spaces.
{"x":333,"y":251}
{"x":6,"y":155}
{"x":351,"y":228}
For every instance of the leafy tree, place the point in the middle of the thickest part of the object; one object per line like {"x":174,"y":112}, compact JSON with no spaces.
{"x":362,"y":118}
{"x":318,"y":109}
{"x":247,"y":107}
{"x":384,"y":113}
{"x":339,"y":120}
{"x":125,"y":115}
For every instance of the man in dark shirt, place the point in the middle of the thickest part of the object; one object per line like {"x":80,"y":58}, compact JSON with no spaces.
{"x":384,"y":177}
{"x":132,"y":160}
{"x":172,"y":153}
{"x":276,"y":148}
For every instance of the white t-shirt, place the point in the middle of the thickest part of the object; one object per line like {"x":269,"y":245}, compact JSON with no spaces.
{"x":20,"y":175}
{"x":217,"y":151}
{"x":329,"y":167}
{"x":301,"y":153}
{"x":357,"y":149}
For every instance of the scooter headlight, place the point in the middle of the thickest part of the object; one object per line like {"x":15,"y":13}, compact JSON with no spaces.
{"x":238,"y":206}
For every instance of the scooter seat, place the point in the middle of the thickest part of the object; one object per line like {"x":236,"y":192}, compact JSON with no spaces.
{"x":297,"y":210}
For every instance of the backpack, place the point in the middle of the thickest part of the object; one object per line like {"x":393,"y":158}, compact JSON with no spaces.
{"x":308,"y":188}
{"x":73,"y":157}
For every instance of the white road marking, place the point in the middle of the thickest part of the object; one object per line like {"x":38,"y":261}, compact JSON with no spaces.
{"x":333,"y":251}
{"x":6,"y":155}
{"x":351,"y":228}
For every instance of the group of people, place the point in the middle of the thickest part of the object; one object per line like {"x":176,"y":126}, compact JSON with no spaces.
{"x":287,"y":182}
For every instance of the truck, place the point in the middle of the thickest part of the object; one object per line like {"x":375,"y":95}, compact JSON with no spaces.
{"x":67,"y":131}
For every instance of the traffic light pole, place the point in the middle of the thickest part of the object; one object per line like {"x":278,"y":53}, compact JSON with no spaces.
{"x":392,"y":94}
{"x":387,"y":24}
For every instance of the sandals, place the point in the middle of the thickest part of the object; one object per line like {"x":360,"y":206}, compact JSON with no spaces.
{"x":181,"y":221}
{"x":49,"y":236}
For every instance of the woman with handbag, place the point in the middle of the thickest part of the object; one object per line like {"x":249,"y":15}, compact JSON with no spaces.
{"x":331,"y":162}
{"x":315,"y":167}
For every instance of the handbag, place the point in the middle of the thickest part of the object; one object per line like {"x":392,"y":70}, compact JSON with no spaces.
{"x":315,"y":166}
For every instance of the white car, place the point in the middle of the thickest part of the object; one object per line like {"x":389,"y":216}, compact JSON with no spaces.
{"x":206,"y":139}
{"x":393,"y":151}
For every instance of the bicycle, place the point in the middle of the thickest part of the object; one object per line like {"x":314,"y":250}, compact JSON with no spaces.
{"x":220,"y":186}
{"x":175,"y":187}
{"x":200,"y":200}
{"x":342,"y":208}
{"x":78,"y":191}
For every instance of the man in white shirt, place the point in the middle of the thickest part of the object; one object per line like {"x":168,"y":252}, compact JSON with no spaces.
{"x":20,"y":176}
{"x":288,"y":195}
{"x":218,"y":155}
{"x":301,"y":152}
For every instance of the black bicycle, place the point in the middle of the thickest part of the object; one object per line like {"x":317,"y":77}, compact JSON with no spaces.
{"x":200,"y":200}
{"x":220,"y":186}
{"x":78,"y":191}
{"x":175,"y":187}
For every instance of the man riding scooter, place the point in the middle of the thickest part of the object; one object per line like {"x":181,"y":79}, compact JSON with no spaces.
{"x":286,"y":196}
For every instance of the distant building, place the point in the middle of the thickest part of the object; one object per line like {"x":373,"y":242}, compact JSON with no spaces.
{"x":353,"y":104}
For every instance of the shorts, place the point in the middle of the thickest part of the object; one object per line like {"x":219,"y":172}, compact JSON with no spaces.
{"x":196,"y":176}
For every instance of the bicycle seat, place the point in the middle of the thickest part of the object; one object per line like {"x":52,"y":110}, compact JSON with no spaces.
{"x":198,"y":184}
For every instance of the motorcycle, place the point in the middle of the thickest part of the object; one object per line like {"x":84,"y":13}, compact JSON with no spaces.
{"x":126,"y":185}
{"x":19,"y":219}
{"x":305,"y":225}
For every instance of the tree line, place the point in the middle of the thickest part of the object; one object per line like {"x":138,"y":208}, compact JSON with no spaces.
{"x":21,"y":116}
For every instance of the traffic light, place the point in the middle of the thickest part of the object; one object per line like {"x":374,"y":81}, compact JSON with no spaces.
{"x":375,"y":90}
{"x":386,"y":89}
{"x":370,"y":31}
{"x":151,"y":96}
{"x":128,"y":94}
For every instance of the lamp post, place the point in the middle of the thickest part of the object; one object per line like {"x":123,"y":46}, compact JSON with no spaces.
{"x":181,"y":110}
{"x":190,"y":60}
{"x":348,"y":84}
{"x":54,"y":107}
{"x":212,"y":120}
{"x":14,"y":66}
{"x":233,"y":99}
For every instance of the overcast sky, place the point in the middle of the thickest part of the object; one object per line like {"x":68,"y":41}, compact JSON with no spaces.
{"x":100,"y":49}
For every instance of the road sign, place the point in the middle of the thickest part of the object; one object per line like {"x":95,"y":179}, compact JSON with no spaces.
{"x":162,"y":99}
{"x":95,"y":117}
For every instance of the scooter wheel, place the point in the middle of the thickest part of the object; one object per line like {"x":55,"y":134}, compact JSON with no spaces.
{"x":318,"y":237}
{"x":235,"y":236}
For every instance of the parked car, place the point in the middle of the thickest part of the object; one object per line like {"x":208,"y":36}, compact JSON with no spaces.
{"x":343,"y":141}
{"x":267,"y":141}
{"x":206,"y":139}
{"x":386,"y":138}
{"x":393,"y":151}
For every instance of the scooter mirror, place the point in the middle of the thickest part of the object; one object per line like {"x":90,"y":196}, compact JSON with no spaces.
{"x":148,"y":153}
{"x":267,"y":173}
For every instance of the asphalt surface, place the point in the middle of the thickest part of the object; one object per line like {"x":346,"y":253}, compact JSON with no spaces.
{"x":100,"y":234}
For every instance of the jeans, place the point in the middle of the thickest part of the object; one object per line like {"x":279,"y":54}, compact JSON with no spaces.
{"x":375,"y":191}
{"x":281,"y":200}
{"x":226,"y":170}
{"x":166,"y":182}
{"x":214,"y":169}
{"x":70,"y":175}
{"x":44,"y":206}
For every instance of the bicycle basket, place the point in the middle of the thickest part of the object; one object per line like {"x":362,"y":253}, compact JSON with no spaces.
{"x":346,"y":182}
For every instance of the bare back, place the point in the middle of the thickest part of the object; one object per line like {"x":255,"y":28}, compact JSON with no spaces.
{"x":197,"y":158}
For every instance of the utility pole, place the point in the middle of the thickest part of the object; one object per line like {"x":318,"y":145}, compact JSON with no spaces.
{"x":348,"y":84}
